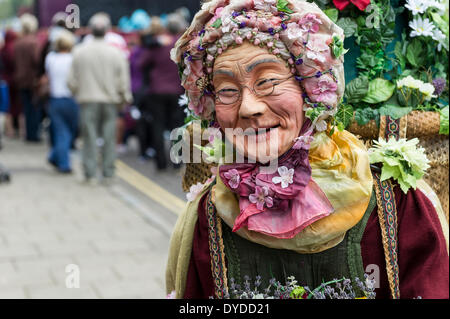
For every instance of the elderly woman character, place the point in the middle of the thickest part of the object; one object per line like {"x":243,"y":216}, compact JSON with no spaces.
{"x":276,"y":67}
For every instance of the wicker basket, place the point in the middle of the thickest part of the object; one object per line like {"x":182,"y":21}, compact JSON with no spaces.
{"x":195,"y":172}
{"x":423,"y":125}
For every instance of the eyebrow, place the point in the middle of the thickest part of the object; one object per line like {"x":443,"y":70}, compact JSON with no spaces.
{"x":254,"y":64}
{"x":226,"y":72}
{"x":249,"y":68}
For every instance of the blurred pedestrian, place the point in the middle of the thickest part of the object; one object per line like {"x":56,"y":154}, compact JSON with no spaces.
{"x":13,"y":118}
{"x":150,"y":39}
{"x":58,"y":26}
{"x":164,"y":86}
{"x":100,"y":81}
{"x":26,"y":61}
{"x":126,"y":122}
{"x":63,"y":111}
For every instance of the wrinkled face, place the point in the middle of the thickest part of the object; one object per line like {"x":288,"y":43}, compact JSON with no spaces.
{"x":278,"y":116}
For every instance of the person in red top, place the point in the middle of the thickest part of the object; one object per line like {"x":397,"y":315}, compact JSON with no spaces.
{"x":26,"y":61}
{"x":7,"y":74}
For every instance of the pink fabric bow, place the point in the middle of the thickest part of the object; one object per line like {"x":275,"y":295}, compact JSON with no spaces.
{"x":361,"y":4}
{"x":280,"y":204}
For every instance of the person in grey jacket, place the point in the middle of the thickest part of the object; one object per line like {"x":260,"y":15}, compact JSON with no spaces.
{"x":100,"y":81}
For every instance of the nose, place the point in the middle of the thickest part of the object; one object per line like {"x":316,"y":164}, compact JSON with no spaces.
{"x":251,"y":106}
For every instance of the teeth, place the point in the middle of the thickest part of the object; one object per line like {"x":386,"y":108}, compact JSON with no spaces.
{"x":260,"y":131}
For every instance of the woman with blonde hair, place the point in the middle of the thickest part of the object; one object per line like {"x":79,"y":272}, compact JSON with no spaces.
{"x":63,"y":110}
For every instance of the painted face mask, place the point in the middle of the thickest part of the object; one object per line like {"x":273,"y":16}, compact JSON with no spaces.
{"x":274,"y":67}
{"x":296,"y":32}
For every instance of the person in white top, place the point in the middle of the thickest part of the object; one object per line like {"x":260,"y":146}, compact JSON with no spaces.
{"x":63,"y":111}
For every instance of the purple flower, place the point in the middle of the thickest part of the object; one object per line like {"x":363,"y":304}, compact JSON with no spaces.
{"x":242,"y":25}
{"x":283,"y":26}
{"x":299,"y":78}
{"x":303,"y":142}
{"x":261,"y":197}
{"x":318,"y":74}
{"x":201,"y":32}
{"x":299,"y":61}
{"x":233,"y":178}
{"x":235,"y":14}
{"x":439,"y":85}
{"x":200,"y":48}
{"x":271,"y":31}
{"x":304,"y":95}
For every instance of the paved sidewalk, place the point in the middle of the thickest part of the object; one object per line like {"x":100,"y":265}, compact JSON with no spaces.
{"x":49,"y":221}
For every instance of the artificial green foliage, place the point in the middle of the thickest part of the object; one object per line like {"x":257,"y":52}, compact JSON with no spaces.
{"x":394,"y":111}
{"x":415,"y":53}
{"x":313,"y":113}
{"x":364,"y":115}
{"x":348,"y":25}
{"x":443,"y":25}
{"x":332,"y":14}
{"x":380,"y":90}
{"x":357,"y":89}
{"x":443,"y":128}
{"x":214,"y":151}
{"x":344,"y":116}
{"x":401,"y":160}
{"x":382,"y":63}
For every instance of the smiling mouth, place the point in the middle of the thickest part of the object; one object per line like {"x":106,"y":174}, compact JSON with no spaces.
{"x":260,"y":130}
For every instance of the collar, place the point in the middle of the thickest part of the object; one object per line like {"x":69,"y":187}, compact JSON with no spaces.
{"x":311,"y":214}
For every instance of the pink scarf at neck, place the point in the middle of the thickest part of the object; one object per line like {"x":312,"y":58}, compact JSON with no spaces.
{"x":279,"y":204}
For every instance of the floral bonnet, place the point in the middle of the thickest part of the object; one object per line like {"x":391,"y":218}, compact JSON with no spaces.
{"x":296,"y":31}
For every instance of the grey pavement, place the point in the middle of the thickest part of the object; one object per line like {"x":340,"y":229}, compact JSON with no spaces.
{"x":56,"y":232}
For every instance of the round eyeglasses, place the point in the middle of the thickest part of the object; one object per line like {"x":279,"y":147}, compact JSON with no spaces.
{"x":261,"y":87}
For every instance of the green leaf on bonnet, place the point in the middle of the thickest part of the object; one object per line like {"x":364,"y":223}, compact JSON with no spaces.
{"x":217,"y":23}
{"x":282,"y":6}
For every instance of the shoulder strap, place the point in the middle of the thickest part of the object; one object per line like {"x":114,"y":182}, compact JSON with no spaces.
{"x":387,"y":215}
{"x":390,"y":127}
{"x":216,"y":250}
